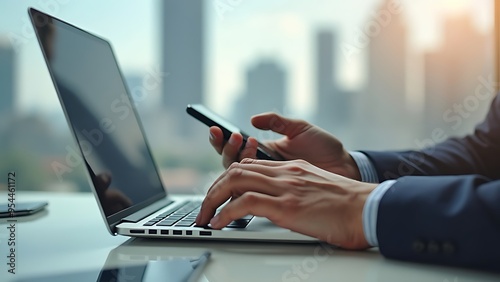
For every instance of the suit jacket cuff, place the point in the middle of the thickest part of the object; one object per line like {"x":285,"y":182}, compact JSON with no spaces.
{"x":370,"y":212}
{"x":365,"y":166}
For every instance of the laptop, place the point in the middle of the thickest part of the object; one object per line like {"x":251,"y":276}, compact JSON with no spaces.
{"x":112,"y":146}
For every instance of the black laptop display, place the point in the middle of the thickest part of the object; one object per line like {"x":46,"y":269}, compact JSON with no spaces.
{"x":95,"y":100}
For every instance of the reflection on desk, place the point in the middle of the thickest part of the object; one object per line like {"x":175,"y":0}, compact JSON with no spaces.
{"x":73,"y":237}
{"x":123,"y":267}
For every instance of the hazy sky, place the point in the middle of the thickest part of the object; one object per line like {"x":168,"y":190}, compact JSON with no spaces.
{"x":249,"y":31}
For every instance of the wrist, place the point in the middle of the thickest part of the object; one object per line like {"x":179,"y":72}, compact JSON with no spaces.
{"x":358,"y":239}
{"x":351,"y":167}
{"x":366,"y":189}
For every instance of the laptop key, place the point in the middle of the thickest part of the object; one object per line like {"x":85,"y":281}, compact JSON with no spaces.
{"x":239,"y":223}
{"x":186,"y":221}
{"x":168,"y":220}
{"x":163,"y":223}
{"x":180,"y":224}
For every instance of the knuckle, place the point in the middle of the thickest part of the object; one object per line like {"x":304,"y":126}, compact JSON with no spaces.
{"x":234,"y":171}
{"x":247,"y":161}
{"x":296,"y":167}
{"x":301,"y":122}
{"x":249,"y":201}
{"x":276,"y":122}
{"x":233,"y":165}
{"x":302,"y":162}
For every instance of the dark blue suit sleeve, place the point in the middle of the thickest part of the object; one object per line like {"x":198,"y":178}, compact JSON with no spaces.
{"x":453,"y":220}
{"x":445,"y":206}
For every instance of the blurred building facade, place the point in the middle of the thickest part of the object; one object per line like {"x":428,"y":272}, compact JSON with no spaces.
{"x":461,"y":65}
{"x":384,"y":118}
{"x":183,"y":49}
{"x":7,"y":78}
{"x":265,"y":91}
{"x":333,"y":109}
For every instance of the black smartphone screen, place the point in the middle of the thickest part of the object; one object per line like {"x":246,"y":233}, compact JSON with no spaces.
{"x":209,"y":118}
{"x":20,"y":209}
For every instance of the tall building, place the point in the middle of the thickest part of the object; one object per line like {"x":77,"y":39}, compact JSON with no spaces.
{"x":452,"y":75}
{"x":333,"y":104}
{"x":7,"y":78}
{"x":384,"y":116}
{"x":265,"y":91}
{"x":183,"y":59}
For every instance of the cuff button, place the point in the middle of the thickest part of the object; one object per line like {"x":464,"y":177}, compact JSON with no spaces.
{"x":418,"y":246}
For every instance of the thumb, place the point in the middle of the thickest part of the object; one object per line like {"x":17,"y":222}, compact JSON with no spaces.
{"x":279,"y":124}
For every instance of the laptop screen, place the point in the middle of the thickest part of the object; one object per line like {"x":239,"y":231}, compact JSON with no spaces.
{"x":96,"y":102}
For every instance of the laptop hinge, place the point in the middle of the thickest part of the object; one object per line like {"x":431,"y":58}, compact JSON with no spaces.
{"x":139,"y":215}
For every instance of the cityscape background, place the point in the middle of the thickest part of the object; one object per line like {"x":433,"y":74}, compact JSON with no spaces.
{"x":378,"y":74}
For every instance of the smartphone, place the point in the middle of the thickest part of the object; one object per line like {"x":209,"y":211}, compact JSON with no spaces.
{"x":21,"y":209}
{"x":209,"y":118}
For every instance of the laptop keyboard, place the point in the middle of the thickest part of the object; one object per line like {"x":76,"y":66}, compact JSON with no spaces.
{"x":185,"y":216}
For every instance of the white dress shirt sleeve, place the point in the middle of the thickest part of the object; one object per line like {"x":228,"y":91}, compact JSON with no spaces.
{"x":370,"y":210}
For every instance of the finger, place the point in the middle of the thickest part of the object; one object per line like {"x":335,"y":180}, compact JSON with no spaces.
{"x":235,"y":182}
{"x":255,"y":166}
{"x":216,"y":138}
{"x":249,"y":203}
{"x":259,"y":166}
{"x":231,"y":150}
{"x":266,"y":163}
{"x":246,"y":164}
{"x":250,"y":150}
{"x":280,"y":124}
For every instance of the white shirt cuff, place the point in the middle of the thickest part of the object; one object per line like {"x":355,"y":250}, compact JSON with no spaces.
{"x":365,"y":166}
{"x":370,"y":211}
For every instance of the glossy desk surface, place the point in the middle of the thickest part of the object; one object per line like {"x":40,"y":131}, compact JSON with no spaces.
{"x":70,"y":236}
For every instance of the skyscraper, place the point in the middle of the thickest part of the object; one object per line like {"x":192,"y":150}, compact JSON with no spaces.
{"x":265,"y":91}
{"x":333,"y":107}
{"x":384,"y":116}
{"x":182,"y":58}
{"x":7,"y":78}
{"x":452,"y":75}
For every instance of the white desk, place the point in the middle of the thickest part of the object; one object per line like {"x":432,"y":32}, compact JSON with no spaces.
{"x":71,"y":236}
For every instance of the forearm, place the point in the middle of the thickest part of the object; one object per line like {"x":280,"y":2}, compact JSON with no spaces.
{"x":446,"y":220}
{"x":452,"y":157}
{"x":423,"y":218}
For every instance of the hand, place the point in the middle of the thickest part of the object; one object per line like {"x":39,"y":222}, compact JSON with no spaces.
{"x":292,"y":194}
{"x":301,"y":141}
